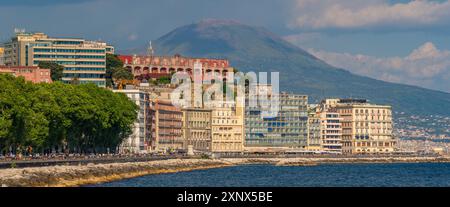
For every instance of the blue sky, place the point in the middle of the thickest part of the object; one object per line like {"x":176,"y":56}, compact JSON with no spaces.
{"x":333,"y":29}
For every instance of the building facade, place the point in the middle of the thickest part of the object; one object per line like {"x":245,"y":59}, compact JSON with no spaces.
{"x":197,"y":125}
{"x":2,"y":57}
{"x":166,"y":122}
{"x":366,"y":127}
{"x":331,"y":130}
{"x":227,"y":127}
{"x":82,"y":60}
{"x":30,"y":73}
{"x":314,"y":142}
{"x":288,"y":128}
{"x":150,"y":66}
{"x":133,"y":143}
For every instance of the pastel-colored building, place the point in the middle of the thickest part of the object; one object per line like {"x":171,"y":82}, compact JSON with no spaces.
{"x":166,"y":122}
{"x":82,"y":59}
{"x":331,"y":130}
{"x":227,"y":127}
{"x":30,"y":73}
{"x":149,"y":66}
{"x":197,"y":124}
{"x":366,"y":127}
{"x":314,"y":141}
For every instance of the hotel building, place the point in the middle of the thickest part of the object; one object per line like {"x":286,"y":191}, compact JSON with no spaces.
{"x":83,"y":60}
{"x":149,"y":66}
{"x":366,"y":127}
{"x":227,"y":127}
{"x":30,"y":73}
{"x":197,"y":125}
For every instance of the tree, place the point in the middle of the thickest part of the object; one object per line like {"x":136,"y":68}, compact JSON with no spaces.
{"x":56,"y":70}
{"x":112,"y":63}
{"x":122,"y":74}
{"x":45,"y":117}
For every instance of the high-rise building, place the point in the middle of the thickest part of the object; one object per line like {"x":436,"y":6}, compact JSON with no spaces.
{"x":287,"y":128}
{"x":366,"y":127}
{"x":197,"y":124}
{"x":82,"y":59}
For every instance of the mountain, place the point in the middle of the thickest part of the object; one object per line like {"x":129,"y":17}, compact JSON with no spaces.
{"x":257,"y":49}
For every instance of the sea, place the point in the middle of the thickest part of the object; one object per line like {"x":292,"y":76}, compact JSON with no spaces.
{"x":324,"y":175}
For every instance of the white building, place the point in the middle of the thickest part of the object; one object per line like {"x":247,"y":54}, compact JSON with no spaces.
{"x":133,"y":144}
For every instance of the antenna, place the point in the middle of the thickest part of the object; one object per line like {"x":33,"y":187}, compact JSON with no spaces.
{"x":150,"y":51}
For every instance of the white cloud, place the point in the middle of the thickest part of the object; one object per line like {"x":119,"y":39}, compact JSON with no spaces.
{"x":302,"y":38}
{"x":323,"y":14}
{"x":426,"y":66}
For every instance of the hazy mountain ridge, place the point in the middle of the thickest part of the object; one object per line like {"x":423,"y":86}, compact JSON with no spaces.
{"x":256,"y":49}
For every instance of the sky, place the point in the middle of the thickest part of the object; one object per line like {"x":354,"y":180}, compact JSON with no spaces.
{"x":404,"y":41}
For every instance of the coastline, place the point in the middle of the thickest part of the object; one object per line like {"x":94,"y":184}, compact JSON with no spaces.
{"x":72,"y":176}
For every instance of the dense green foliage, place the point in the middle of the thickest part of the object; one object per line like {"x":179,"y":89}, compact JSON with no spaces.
{"x":71,"y":118}
{"x":256,"y":49}
{"x":115,"y":70}
{"x":56,"y":70}
{"x":122,"y":74}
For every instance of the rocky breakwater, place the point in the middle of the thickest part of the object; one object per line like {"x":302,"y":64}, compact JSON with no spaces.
{"x":59,"y":176}
{"x":311,"y":161}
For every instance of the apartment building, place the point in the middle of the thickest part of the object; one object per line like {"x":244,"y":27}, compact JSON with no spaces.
{"x":82,"y":59}
{"x":331,"y":130}
{"x":314,"y":141}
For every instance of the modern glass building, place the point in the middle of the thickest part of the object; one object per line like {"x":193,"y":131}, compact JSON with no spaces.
{"x":288,"y":128}
{"x":83,"y":60}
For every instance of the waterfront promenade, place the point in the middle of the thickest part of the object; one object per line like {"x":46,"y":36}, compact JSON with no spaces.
{"x":90,"y":173}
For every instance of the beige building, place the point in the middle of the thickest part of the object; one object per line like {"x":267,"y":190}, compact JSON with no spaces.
{"x":197,"y":124}
{"x":331,"y":130}
{"x":366,"y":127}
{"x":83,"y":60}
{"x":227,"y":127}
{"x":314,"y":141}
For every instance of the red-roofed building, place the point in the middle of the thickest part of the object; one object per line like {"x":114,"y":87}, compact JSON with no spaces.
{"x":157,"y":66}
{"x":30,"y":73}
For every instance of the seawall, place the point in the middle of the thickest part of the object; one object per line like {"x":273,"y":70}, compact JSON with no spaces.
{"x":64,"y":176}
{"x":60,"y":176}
